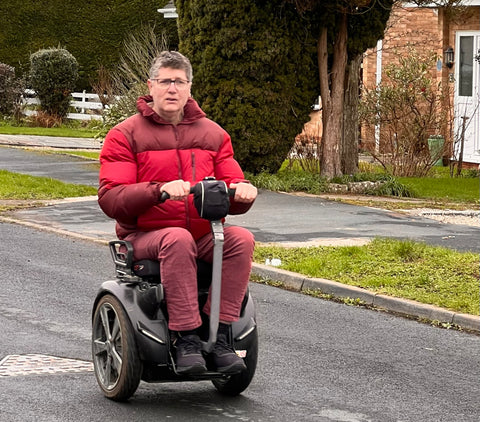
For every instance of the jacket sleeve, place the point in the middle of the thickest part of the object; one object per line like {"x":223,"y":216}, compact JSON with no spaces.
{"x":119,"y":195}
{"x":228,"y":169}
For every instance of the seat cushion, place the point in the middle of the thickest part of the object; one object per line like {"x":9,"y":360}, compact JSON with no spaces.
{"x":149,"y":268}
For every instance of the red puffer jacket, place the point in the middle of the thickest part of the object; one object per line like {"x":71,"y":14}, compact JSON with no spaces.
{"x":142,"y":153}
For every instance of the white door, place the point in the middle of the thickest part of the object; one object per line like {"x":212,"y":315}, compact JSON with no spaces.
{"x":467,"y":94}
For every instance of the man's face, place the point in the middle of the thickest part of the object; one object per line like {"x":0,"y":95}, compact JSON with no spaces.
{"x":168,"y":98}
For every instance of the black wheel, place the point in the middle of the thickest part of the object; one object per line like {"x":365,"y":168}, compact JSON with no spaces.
{"x":235,"y":384}
{"x":115,"y":357}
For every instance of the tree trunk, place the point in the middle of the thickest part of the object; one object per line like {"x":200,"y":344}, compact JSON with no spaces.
{"x":350,"y":118}
{"x":332,"y":93}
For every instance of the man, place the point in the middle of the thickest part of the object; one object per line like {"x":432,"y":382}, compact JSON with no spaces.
{"x":168,"y":146}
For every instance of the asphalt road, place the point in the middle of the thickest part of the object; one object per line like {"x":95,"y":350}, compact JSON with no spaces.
{"x":37,"y":163}
{"x":319,"y":360}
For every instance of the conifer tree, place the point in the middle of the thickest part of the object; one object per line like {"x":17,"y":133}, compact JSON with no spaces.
{"x":252,"y":63}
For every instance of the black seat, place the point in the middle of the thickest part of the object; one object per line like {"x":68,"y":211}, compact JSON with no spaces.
{"x":148,"y":269}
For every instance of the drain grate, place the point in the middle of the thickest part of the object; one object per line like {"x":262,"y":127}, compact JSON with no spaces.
{"x":20,"y":365}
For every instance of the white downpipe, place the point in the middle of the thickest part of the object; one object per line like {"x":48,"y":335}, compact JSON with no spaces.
{"x":378,"y":80}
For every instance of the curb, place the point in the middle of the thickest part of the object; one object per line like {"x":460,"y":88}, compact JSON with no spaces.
{"x":40,"y":227}
{"x":300,"y":283}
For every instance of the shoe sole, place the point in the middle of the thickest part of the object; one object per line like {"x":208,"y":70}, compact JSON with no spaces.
{"x":233,"y":368}
{"x":191,"y":370}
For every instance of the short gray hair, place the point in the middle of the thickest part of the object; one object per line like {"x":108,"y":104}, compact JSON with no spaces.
{"x":173,"y":60}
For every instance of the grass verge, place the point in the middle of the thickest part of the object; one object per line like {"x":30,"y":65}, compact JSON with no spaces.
{"x":64,"y":131}
{"x":16,"y":186}
{"x":405,"y":269}
{"x":91,"y":155}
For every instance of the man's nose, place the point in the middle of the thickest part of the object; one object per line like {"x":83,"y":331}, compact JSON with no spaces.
{"x":172,"y":86}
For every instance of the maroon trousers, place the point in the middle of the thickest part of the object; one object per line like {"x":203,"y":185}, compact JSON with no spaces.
{"x":177,"y":252}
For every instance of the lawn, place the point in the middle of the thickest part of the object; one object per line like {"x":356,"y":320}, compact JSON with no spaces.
{"x":454,"y":189}
{"x":407,"y":269}
{"x":21,"y":186}
{"x":64,"y":131}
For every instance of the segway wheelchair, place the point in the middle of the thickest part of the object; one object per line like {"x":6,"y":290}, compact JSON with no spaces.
{"x":130,"y":336}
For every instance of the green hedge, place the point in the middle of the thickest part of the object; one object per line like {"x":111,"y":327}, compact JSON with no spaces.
{"x":254,"y":73}
{"x":92,"y":31}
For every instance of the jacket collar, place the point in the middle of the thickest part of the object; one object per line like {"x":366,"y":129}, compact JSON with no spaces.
{"x":191,"y":112}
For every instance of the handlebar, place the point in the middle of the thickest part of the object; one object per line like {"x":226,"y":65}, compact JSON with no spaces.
{"x":165,"y":195}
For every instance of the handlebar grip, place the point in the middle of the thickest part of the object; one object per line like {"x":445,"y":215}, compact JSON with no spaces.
{"x":164,"y":196}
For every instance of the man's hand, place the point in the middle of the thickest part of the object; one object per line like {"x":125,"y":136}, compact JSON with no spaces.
{"x":244,"y":192}
{"x":177,"y":189}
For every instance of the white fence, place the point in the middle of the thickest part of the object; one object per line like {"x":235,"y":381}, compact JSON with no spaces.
{"x":88,"y":106}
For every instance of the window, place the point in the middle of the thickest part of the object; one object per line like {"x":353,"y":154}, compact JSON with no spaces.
{"x":465,"y":76}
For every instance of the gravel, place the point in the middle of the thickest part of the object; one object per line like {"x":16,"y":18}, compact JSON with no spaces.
{"x":466,"y":217}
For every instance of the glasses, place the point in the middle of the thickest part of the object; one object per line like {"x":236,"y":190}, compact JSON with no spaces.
{"x":181,"y":84}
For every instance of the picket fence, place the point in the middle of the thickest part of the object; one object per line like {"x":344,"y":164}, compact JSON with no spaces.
{"x":88,"y":106}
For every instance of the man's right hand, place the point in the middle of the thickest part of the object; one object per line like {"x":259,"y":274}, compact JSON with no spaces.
{"x":177,"y":189}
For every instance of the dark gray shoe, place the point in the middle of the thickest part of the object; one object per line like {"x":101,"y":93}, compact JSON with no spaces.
{"x":224,"y":357}
{"x":189,"y":356}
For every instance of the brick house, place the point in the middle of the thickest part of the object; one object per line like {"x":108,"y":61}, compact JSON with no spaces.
{"x":433,"y":28}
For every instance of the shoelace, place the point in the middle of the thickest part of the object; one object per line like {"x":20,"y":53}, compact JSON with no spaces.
{"x":223,"y":344}
{"x":189,"y":344}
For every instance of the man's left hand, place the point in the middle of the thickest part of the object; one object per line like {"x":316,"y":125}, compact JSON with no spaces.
{"x":244,"y":192}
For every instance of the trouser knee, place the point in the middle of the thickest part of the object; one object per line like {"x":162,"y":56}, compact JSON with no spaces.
{"x":239,"y":239}
{"x":177,"y":241}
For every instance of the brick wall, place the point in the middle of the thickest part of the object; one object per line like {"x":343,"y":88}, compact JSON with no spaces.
{"x":419,"y":28}
{"x":426,"y":29}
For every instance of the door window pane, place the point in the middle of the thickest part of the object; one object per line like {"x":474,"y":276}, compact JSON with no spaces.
{"x":465,"y":80}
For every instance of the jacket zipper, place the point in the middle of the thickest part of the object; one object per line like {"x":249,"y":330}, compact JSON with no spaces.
{"x":194,"y":178}
{"x":180,"y":176}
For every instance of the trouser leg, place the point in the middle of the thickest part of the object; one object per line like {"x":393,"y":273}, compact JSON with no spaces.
{"x":176,"y":250}
{"x":236,"y":267}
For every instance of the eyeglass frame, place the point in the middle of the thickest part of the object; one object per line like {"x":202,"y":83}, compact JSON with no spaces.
{"x":172,"y":81}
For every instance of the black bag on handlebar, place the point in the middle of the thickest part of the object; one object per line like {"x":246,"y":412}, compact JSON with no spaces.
{"x":211,"y":199}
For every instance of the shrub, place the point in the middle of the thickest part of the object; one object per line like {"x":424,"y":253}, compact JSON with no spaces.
{"x":306,"y":152}
{"x":128,"y":82}
{"x":53,"y":73}
{"x":43,"y":119}
{"x":392,"y":187}
{"x":408,"y":106}
{"x":288,"y":180}
{"x":11,"y":89}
